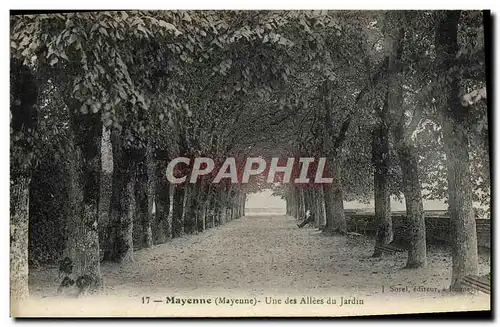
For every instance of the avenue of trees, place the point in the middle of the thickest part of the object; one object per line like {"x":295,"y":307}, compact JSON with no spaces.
{"x":395,"y":100}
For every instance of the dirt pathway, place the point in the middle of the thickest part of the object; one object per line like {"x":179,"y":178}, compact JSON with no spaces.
{"x":260,"y":254}
{"x":263,"y":255}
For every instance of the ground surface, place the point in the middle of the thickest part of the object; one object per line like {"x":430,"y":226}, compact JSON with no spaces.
{"x":260,"y":256}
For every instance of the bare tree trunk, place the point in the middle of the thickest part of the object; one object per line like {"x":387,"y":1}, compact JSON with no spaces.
{"x":333,"y":195}
{"x":301,"y":206}
{"x":216,"y":198}
{"x":24,"y":93}
{"x":210,"y":207}
{"x":151,"y":190}
{"x":314,"y":207}
{"x":417,"y":250}
{"x":191,"y":210}
{"x":380,"y":151}
{"x":143,"y":193}
{"x":230,"y":199}
{"x":454,"y":116}
{"x":120,"y":246}
{"x":83,"y":234}
{"x":243,"y":203}
{"x":19,"y":226}
{"x":203,"y":206}
{"x":163,"y":230}
{"x":295,"y":202}
{"x":320,"y":200}
{"x":178,"y":210}
{"x":307,"y":204}
{"x":105,"y":190}
{"x":394,"y":36}
{"x":338,"y":209}
{"x":289,"y":201}
{"x":223,"y":205}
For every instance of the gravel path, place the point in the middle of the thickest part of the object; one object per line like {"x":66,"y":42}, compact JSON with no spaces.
{"x":267,"y":255}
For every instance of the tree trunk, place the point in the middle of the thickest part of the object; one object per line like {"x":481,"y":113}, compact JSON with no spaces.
{"x":178,"y":210}
{"x":151,"y":190}
{"x":454,"y":116}
{"x":105,"y":190}
{"x":320,"y":202}
{"x":120,"y":247}
{"x":417,"y":250}
{"x":380,"y":152}
{"x":463,"y":223}
{"x":210,"y":205}
{"x":163,"y":230}
{"x":23,"y":110}
{"x":143,"y":193}
{"x":19,"y":226}
{"x":223,"y":205}
{"x":295,"y":212}
{"x":289,"y":202}
{"x":83,"y":233}
{"x":301,"y":207}
{"x":394,"y":36}
{"x":191,"y":210}
{"x":315,"y":208}
{"x":412,"y":189}
{"x":203,"y":205}
{"x":307,"y":201}
{"x":333,"y":195}
{"x":230,"y":205}
{"x":243,"y":202}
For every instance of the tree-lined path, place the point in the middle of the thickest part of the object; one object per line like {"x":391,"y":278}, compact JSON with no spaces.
{"x":264,"y":255}
{"x":387,"y":104}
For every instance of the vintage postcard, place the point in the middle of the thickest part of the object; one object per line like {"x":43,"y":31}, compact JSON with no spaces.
{"x":253,"y":163}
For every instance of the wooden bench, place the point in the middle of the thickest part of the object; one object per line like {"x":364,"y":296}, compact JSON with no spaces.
{"x":390,"y":249}
{"x":478,"y":283}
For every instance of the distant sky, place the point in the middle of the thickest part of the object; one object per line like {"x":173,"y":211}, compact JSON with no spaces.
{"x":264,"y":199}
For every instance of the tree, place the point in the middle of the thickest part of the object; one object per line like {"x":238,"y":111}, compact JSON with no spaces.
{"x":395,"y":38}
{"x":463,"y":224}
{"x":22,"y":159}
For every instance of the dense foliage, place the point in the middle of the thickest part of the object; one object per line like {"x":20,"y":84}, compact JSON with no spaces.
{"x":219,"y":84}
